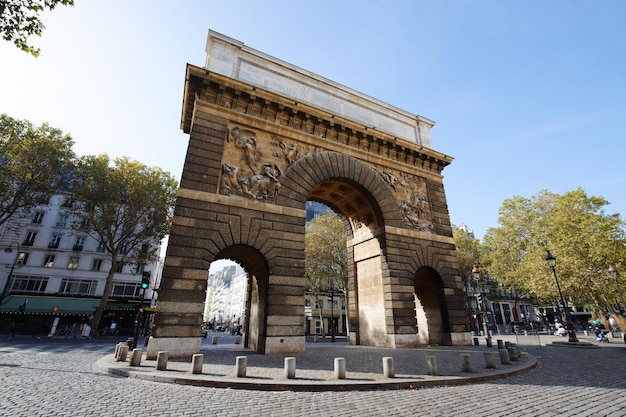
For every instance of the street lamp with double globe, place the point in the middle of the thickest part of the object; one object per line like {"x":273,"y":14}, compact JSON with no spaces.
{"x":569,"y":326}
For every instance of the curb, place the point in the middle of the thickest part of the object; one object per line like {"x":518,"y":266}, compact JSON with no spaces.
{"x":149,"y":373}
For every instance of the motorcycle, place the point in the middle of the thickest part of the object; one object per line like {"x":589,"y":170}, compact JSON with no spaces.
{"x":602,"y":336}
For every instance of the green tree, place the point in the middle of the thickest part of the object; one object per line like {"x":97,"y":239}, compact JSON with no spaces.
{"x":468,"y":250}
{"x":576,"y":229}
{"x":19,"y":19}
{"x":34,"y":164}
{"x":326,"y":261}
{"x":127,"y":206}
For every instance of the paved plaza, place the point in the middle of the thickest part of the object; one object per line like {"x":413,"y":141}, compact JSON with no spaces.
{"x":61,"y":377}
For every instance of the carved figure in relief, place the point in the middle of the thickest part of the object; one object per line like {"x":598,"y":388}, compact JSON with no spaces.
{"x":230,"y":180}
{"x":412,"y":219}
{"x":245,"y":140}
{"x":265,"y":184}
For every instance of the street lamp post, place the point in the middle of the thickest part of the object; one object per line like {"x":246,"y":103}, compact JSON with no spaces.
{"x":571,"y":332}
{"x":6,"y":284}
{"x":332,"y":315}
{"x":483,"y":309}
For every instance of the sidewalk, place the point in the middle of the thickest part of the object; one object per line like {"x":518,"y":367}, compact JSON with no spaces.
{"x":315,"y":367}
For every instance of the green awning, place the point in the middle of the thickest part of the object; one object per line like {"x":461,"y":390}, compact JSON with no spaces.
{"x":57,"y":305}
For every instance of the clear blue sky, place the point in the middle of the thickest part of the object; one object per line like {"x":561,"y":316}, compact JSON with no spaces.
{"x":526,"y":95}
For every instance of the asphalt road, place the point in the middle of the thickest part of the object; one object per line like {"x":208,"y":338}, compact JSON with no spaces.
{"x":56,"y":377}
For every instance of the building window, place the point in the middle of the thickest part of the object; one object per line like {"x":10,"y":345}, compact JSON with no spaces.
{"x":126,"y":289}
{"x":120,"y":267}
{"x":78,"y":286}
{"x":54,"y":241}
{"x":73,"y":263}
{"x":48,"y":261}
{"x":30,"y":239}
{"x":61,"y":220}
{"x":23,"y":283}
{"x":102,"y":247}
{"x":21,"y":259}
{"x":38,"y":217}
{"x":96,"y":264}
{"x":80,"y":243}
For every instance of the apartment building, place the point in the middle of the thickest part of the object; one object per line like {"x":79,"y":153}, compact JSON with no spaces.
{"x":48,"y":270}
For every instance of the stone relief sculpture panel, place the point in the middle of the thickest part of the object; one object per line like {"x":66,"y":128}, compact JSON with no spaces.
{"x":249,"y":174}
{"x":412,"y":195}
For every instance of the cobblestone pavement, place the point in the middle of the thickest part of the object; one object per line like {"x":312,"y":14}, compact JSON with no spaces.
{"x":58,"y":378}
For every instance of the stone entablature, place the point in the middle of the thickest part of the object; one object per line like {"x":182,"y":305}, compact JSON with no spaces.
{"x":233,"y":59}
{"x":255,"y":159}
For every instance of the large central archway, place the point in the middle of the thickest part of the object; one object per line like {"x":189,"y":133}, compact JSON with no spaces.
{"x":265,"y":137}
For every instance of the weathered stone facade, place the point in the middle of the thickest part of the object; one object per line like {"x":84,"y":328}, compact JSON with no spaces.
{"x":259,"y":148}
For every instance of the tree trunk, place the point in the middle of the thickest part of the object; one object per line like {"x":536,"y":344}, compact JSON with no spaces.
{"x":95,"y":322}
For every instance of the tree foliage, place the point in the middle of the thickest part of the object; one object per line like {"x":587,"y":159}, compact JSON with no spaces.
{"x":325,"y":247}
{"x":19,"y":19}
{"x":469,"y":252}
{"x":577,"y":231}
{"x":127,"y":206}
{"x":34,"y":164}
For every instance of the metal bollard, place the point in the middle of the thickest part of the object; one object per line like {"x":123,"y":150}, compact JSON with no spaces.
{"x":500,"y":344}
{"x":123,"y":353}
{"x":241,"y":364}
{"x":466,"y":362}
{"x":489,"y":344}
{"x":490,"y":360}
{"x":504,"y":356}
{"x":196,"y":363}
{"x":290,"y":368}
{"x":237,"y":340}
{"x":135,"y":357}
{"x":161,"y":364}
{"x":431,"y":364}
{"x":475,"y":341}
{"x":340,"y":368}
{"x":388,"y":367}
{"x":214,"y":340}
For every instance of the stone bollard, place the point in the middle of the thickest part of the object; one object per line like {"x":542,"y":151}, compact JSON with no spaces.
{"x":490,"y":360}
{"x":586,"y":332}
{"x":512,"y":353}
{"x":489,"y":343}
{"x":500,"y":344}
{"x":315,"y":338}
{"x":504,"y":356}
{"x":214,"y":340}
{"x":123,"y":353}
{"x":135,"y":357}
{"x":475,"y":341}
{"x":466,"y":362}
{"x":237,"y":340}
{"x":161,"y":364}
{"x":388,"y":367}
{"x":196,"y":363}
{"x":431,"y":365}
{"x":507,"y":344}
{"x":290,"y":368}
{"x":340,"y":368}
{"x":241,"y":365}
{"x":117,"y":349}
{"x":131,"y":343}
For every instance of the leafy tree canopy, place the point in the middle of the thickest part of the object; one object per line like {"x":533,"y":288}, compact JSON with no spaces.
{"x":577,"y":231}
{"x":325,"y":247}
{"x":35,"y":163}
{"x":125,"y":205}
{"x":469,"y":252}
{"x":19,"y":19}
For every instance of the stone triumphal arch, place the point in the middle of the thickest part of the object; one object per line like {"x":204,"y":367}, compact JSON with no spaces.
{"x":265,"y":137}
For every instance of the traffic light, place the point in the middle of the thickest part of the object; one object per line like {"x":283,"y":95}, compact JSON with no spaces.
{"x":145,"y":279}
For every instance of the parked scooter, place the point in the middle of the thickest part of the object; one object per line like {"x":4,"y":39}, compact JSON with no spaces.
{"x":560,"y":332}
